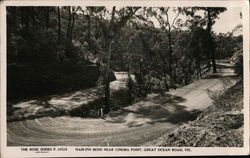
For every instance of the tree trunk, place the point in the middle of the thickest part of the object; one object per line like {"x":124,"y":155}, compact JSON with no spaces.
{"x":89,"y":29}
{"x":211,"y":42}
{"x":164,"y":72}
{"x":107,"y":82}
{"x":69,"y":25}
{"x":25,"y":18}
{"x":59,"y":23}
{"x":72,"y":26}
{"x":33,"y":16}
{"x":166,"y":81}
{"x":208,"y":60}
{"x":213,"y":57}
{"x":198,"y":67}
{"x":108,"y":39}
{"x":130,"y":81}
{"x":47,"y":17}
{"x":170,"y":56}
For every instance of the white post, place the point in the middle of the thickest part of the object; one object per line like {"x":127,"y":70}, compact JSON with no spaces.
{"x":101,"y":112}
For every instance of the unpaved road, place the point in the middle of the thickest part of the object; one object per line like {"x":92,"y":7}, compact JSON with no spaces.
{"x":132,"y":126}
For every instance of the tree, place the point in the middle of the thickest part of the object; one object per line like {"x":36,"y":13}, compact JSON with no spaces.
{"x":47,"y":16}
{"x":88,"y":13}
{"x":37,"y":49}
{"x":59,"y":23}
{"x":210,"y":38}
{"x":210,"y":14}
{"x":110,"y":30}
{"x":162,"y":16}
{"x":119,"y":39}
{"x":71,"y":21}
{"x":197,"y":46}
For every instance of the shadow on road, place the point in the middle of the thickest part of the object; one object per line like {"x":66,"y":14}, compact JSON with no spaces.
{"x":159,"y":109}
{"x":221,"y":66}
{"x":224,"y":70}
{"x":218,"y":76}
{"x":52,"y":106}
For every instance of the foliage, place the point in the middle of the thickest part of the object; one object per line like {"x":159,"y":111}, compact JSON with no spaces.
{"x":39,"y":63}
{"x":227,"y":44}
{"x":57,"y":49}
{"x":239,"y":66}
{"x":88,"y":110}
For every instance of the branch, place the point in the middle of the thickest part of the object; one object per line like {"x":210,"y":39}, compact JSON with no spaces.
{"x":125,"y":18}
{"x":168,"y":20}
{"x":162,"y":24}
{"x":175,"y":19}
{"x":112,"y":20}
{"x":76,"y":10}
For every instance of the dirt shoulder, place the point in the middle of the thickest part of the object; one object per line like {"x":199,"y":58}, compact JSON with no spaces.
{"x":220,"y":125}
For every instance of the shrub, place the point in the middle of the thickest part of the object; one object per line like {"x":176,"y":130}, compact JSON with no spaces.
{"x":29,"y":80}
{"x":88,"y":110}
{"x":239,"y":66}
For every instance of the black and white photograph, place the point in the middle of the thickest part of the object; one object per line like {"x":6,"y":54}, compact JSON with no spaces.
{"x":124,"y":76}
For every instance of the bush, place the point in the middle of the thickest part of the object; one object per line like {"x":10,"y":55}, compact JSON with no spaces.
{"x":148,"y":84}
{"x":239,"y":66}
{"x":29,"y":80}
{"x":88,"y":110}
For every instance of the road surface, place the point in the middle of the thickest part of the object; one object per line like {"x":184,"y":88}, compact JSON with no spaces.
{"x":132,"y":126}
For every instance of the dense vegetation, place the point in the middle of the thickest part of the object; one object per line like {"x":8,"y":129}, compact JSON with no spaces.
{"x":58,"y":49}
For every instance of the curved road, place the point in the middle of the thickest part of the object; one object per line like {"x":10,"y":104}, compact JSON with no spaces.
{"x":132,"y":126}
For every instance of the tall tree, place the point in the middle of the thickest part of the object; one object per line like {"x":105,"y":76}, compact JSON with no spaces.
{"x":111,"y":29}
{"x":210,"y":38}
{"x":88,"y":14}
{"x":59,"y":23}
{"x":162,"y":16}
{"x":47,"y":16}
{"x":69,"y":24}
{"x":70,"y":27}
{"x":210,"y":15}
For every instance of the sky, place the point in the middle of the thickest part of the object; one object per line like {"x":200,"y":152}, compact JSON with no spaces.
{"x":227,"y":20}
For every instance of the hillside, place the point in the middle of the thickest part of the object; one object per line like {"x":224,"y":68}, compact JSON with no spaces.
{"x":220,"y":125}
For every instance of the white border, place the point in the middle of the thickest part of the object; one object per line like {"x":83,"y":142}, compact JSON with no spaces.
{"x":15,"y":151}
